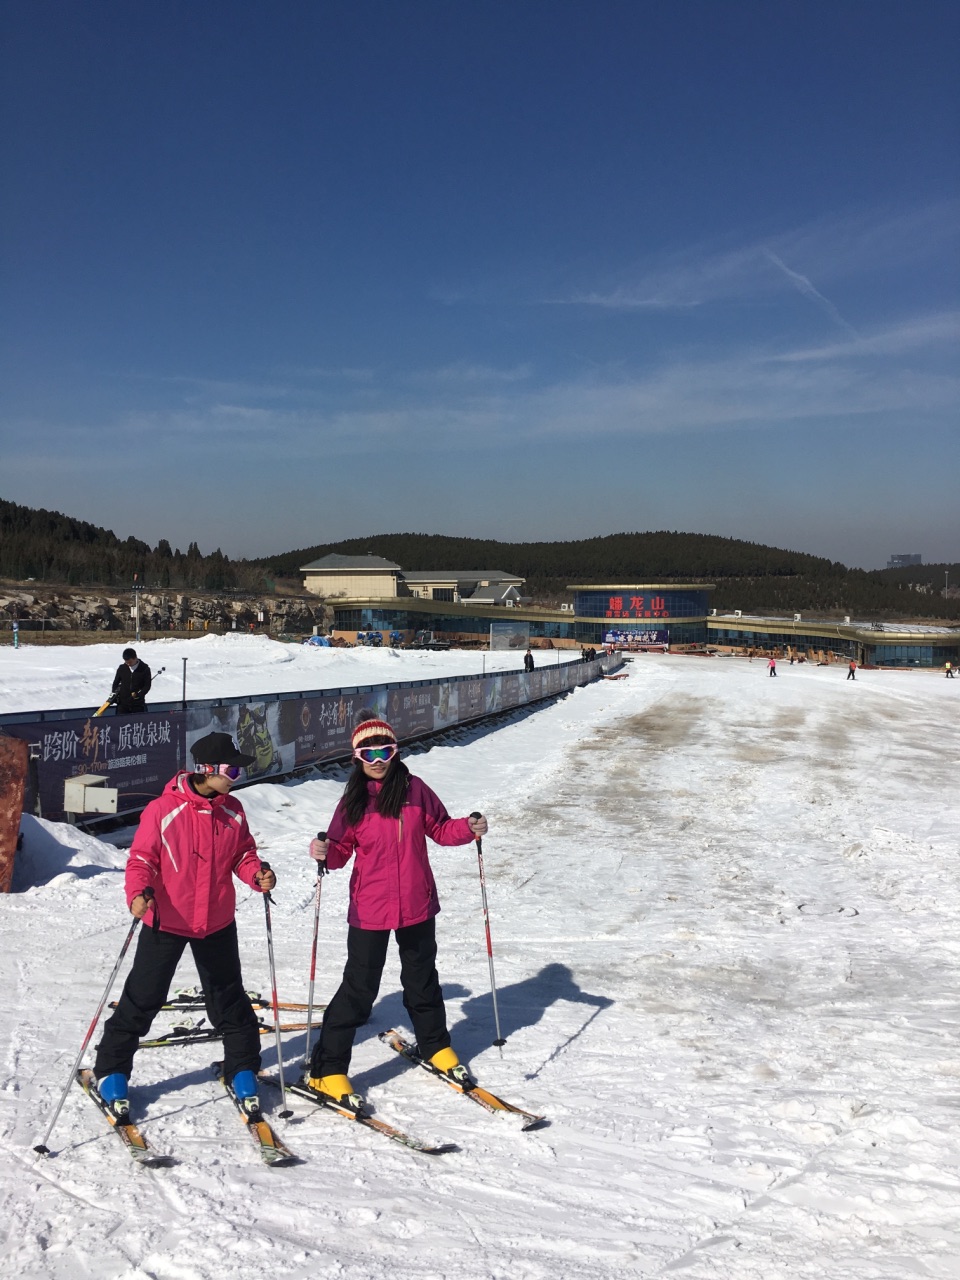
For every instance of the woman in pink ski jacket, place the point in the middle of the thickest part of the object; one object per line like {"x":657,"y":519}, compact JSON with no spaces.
{"x":192,"y":840}
{"x":382,"y":821}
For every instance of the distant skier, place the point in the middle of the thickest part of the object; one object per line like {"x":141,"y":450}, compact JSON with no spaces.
{"x":131,"y":684}
{"x":772,"y":666}
{"x":383,"y":819}
{"x":528,"y":661}
{"x":852,"y":669}
{"x":190,"y":843}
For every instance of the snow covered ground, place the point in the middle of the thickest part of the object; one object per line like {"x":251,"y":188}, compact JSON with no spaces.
{"x":48,"y":677}
{"x":725,"y":918}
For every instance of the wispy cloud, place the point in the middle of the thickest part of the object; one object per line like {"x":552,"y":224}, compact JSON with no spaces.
{"x":904,"y":371}
{"x":931,"y":332}
{"x":463,"y":374}
{"x":808,"y":290}
{"x":867,"y":375}
{"x":329,"y":373}
{"x":823,"y":251}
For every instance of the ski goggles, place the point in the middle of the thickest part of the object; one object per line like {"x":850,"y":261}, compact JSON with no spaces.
{"x":230,"y":771}
{"x":374,"y":755}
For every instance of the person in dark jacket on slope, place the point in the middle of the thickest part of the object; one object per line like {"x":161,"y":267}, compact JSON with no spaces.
{"x":131,"y":684}
{"x":383,"y":818}
{"x":192,"y":840}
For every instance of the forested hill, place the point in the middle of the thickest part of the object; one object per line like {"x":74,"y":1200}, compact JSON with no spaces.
{"x":748,"y":575}
{"x":57,"y":549}
{"x":619,"y":557}
{"x":54,"y":548}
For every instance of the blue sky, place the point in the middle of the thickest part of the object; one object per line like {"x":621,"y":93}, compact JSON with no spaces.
{"x":281,"y":273}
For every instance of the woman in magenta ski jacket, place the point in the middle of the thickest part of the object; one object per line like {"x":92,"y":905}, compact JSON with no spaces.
{"x":382,"y":821}
{"x":192,"y":840}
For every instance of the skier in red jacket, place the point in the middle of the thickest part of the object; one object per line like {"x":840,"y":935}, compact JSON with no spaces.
{"x":384,"y":817}
{"x":190,"y":843}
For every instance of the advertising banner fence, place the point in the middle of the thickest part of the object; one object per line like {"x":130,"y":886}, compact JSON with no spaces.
{"x":137,"y":755}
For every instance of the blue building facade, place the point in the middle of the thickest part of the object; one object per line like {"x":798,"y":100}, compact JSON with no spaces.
{"x":642,"y":613}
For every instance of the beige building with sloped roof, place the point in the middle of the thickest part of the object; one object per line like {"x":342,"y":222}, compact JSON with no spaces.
{"x":340,"y":577}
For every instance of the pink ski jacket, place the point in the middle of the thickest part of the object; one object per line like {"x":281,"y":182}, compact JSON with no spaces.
{"x":392,"y":884}
{"x":188,"y":848}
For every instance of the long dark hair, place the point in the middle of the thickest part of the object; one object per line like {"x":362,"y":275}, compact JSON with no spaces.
{"x":392,"y":792}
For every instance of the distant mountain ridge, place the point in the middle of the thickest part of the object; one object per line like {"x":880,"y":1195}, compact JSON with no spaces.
{"x":51,"y":547}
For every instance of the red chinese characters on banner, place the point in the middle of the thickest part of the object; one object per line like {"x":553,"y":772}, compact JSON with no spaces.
{"x":639,"y":607}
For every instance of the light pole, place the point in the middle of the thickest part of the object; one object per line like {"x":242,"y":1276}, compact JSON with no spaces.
{"x":137,"y":588}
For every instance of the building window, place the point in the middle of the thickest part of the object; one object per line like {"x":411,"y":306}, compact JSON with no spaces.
{"x":443,"y":593}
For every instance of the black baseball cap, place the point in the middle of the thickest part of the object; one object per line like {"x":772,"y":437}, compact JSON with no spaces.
{"x":219,"y":748}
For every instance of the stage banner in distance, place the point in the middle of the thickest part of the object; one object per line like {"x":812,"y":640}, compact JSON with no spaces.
{"x":510,"y":635}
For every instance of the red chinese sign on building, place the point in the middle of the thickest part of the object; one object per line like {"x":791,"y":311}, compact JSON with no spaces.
{"x":638,"y":607}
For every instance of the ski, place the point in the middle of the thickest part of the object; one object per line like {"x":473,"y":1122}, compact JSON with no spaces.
{"x":196,"y":1033}
{"x":273,"y":1150}
{"x":193,"y":999}
{"x":302,"y":1090}
{"x":483,"y":1097}
{"x":129,"y":1134}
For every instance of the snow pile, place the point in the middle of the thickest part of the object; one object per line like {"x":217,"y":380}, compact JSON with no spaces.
{"x":726,"y":926}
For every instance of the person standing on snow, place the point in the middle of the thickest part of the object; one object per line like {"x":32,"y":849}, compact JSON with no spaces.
{"x":852,"y":669}
{"x":384,"y":817}
{"x":948,"y":670}
{"x":191,"y":841}
{"x":131,"y":684}
{"x":528,"y":661}
{"x":772,"y":666}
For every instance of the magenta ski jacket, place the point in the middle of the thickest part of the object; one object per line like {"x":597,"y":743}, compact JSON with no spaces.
{"x":188,"y":848}
{"x":392,"y":884}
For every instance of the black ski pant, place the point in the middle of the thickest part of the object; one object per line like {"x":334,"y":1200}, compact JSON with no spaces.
{"x":353,"y":1003}
{"x":217,"y":958}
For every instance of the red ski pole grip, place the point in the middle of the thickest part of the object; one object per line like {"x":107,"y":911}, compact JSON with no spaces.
{"x":265,"y":866}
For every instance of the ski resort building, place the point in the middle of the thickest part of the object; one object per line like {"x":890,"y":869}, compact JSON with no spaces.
{"x":633,"y":616}
{"x":873,"y":644}
{"x":471,"y":608}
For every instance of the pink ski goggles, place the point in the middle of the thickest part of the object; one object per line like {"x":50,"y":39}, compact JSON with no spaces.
{"x":230,"y":771}
{"x":373,"y":755}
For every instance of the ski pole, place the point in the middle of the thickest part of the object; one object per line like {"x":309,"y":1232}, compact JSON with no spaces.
{"x":41,"y":1148}
{"x":285,"y":1113}
{"x":500,"y":1041}
{"x":321,"y":872}
{"x":113,"y":697}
